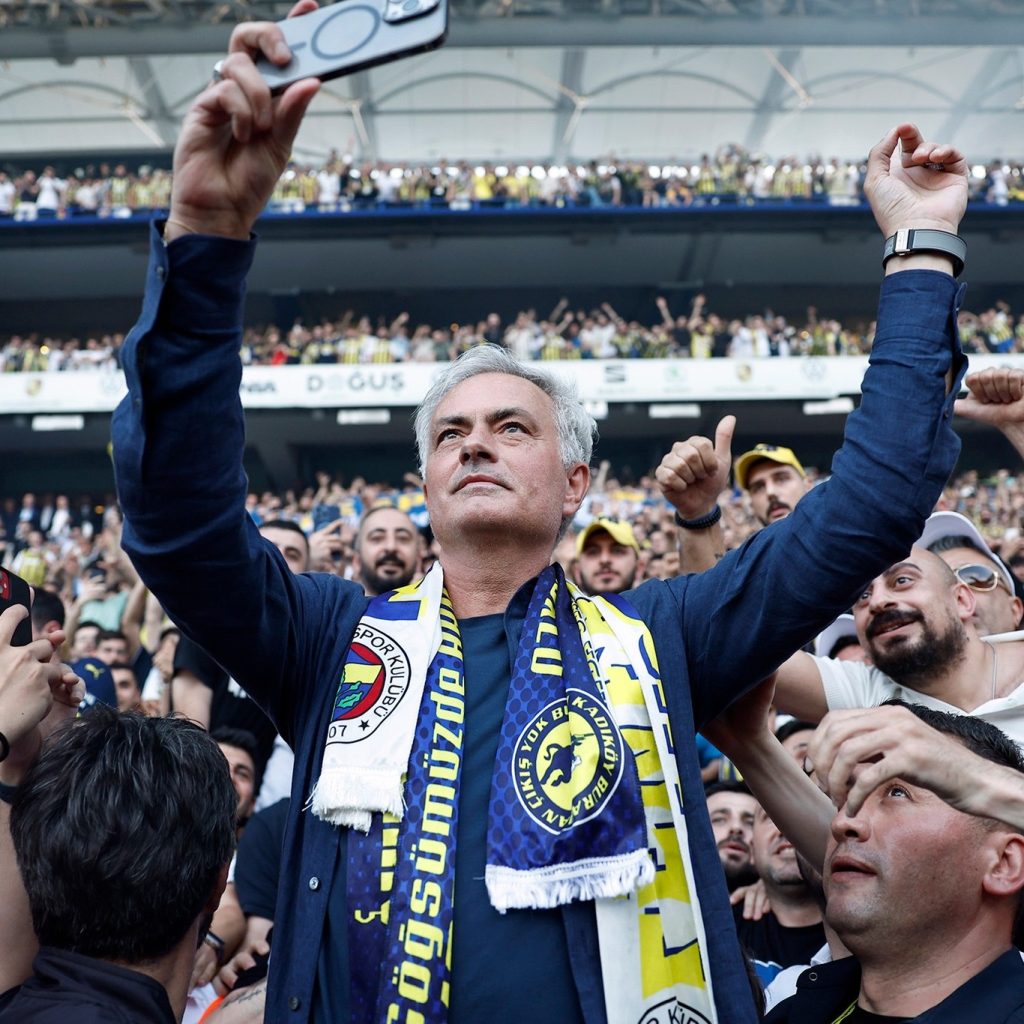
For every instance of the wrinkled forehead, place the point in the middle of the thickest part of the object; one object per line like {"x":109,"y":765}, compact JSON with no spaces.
{"x":489,"y":393}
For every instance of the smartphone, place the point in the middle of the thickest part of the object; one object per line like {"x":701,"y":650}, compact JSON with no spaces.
{"x":353,"y":35}
{"x":14,"y":590}
{"x":324,"y":515}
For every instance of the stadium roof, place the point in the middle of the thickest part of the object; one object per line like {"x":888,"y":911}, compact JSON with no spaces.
{"x":545,"y":80}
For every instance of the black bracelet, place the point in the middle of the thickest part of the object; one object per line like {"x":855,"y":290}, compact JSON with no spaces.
{"x":216,"y":943}
{"x":703,"y":522}
{"x":5,"y":747}
{"x":7,"y":793}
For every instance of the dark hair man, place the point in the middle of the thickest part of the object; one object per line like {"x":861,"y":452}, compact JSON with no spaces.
{"x":387,"y":550}
{"x":239,"y":749}
{"x":774,"y":479}
{"x":607,"y":553}
{"x":126,"y":687}
{"x":927,"y":944}
{"x":732,"y":809}
{"x":790,"y":932}
{"x":47,"y":613}
{"x":290,"y":539}
{"x":83,"y":641}
{"x":123,"y":830}
{"x":111,"y":646}
{"x":505,"y":451}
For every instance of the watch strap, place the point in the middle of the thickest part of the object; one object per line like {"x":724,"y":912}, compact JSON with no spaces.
{"x":911,"y":240}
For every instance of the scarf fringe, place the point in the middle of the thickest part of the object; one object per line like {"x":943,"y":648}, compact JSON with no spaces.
{"x":348,"y":796}
{"x":556,"y":885}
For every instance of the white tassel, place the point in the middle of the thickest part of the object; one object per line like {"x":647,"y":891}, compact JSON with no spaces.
{"x":543,"y":888}
{"x":348,"y":796}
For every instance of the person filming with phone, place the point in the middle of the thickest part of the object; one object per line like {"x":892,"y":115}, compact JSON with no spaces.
{"x":497,"y":811}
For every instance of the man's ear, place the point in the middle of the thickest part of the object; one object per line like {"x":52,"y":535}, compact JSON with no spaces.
{"x":577,"y":483}
{"x":966,"y":602}
{"x":1005,"y":875}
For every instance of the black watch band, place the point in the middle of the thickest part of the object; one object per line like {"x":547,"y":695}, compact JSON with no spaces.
{"x":703,"y":522}
{"x":911,"y":240}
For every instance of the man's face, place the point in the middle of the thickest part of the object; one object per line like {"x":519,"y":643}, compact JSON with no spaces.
{"x":493,"y":464}
{"x":774,"y":490}
{"x":774,"y":856}
{"x":112,"y":649}
{"x":909,"y":619}
{"x":906,"y":864}
{"x":995,"y":611}
{"x":84,"y":643}
{"x":796,"y":744}
{"x":243,"y":775}
{"x":126,"y":688}
{"x":732,"y":823}
{"x":387,"y":551}
{"x":606,"y":566}
{"x":291,"y":545}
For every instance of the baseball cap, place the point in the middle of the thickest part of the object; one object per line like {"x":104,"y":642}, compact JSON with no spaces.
{"x":99,"y":680}
{"x":953,"y":524}
{"x":619,"y":530}
{"x":771,"y":452}
{"x":830,"y":635}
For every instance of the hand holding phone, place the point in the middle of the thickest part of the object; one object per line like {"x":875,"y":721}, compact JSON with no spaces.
{"x":15,"y":592}
{"x":353,"y":35}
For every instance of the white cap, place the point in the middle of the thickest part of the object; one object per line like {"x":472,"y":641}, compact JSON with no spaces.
{"x":843,"y":626}
{"x":952,"y":524}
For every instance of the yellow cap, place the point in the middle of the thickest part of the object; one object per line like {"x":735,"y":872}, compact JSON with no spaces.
{"x":771,"y":452}
{"x":618,"y":529}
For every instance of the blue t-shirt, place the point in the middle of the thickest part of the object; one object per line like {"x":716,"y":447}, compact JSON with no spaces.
{"x":488,"y":948}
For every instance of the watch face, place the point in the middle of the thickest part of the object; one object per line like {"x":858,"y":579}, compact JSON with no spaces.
{"x":404,"y":10}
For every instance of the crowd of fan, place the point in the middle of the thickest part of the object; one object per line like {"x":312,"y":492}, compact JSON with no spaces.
{"x":626,"y":531}
{"x":564,"y":334}
{"x":57,"y":542}
{"x":341,"y":184}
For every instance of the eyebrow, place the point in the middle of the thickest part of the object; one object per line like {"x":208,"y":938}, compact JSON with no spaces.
{"x":508,"y":412}
{"x":899,"y":567}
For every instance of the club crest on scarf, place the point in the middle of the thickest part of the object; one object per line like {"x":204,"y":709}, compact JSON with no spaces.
{"x":375,"y":679}
{"x":568,"y":762}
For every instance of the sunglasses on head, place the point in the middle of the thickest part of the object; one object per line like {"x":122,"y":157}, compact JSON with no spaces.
{"x":980,"y":577}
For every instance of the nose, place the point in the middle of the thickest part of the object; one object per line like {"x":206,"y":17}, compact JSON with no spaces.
{"x":850,"y":826}
{"x":881,"y":598}
{"x":475,"y":448}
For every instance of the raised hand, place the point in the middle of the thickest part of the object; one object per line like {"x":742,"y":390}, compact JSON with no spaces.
{"x":917,"y":185}
{"x":696,"y":471}
{"x":996,"y":396}
{"x":236,"y":139}
{"x":854,"y":752}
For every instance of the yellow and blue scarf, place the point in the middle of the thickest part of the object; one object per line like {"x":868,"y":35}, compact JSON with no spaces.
{"x":585,"y":799}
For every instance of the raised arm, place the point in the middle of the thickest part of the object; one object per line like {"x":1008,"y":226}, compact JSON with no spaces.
{"x":691,"y":477}
{"x":179,"y":435}
{"x":774,"y":593}
{"x":37,"y":695}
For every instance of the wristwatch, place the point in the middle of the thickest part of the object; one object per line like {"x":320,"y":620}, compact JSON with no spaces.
{"x":911,"y":240}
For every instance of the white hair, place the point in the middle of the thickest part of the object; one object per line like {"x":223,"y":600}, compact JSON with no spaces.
{"x":576,"y":428}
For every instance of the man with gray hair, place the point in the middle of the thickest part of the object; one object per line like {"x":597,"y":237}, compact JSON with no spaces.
{"x":498,"y":741}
